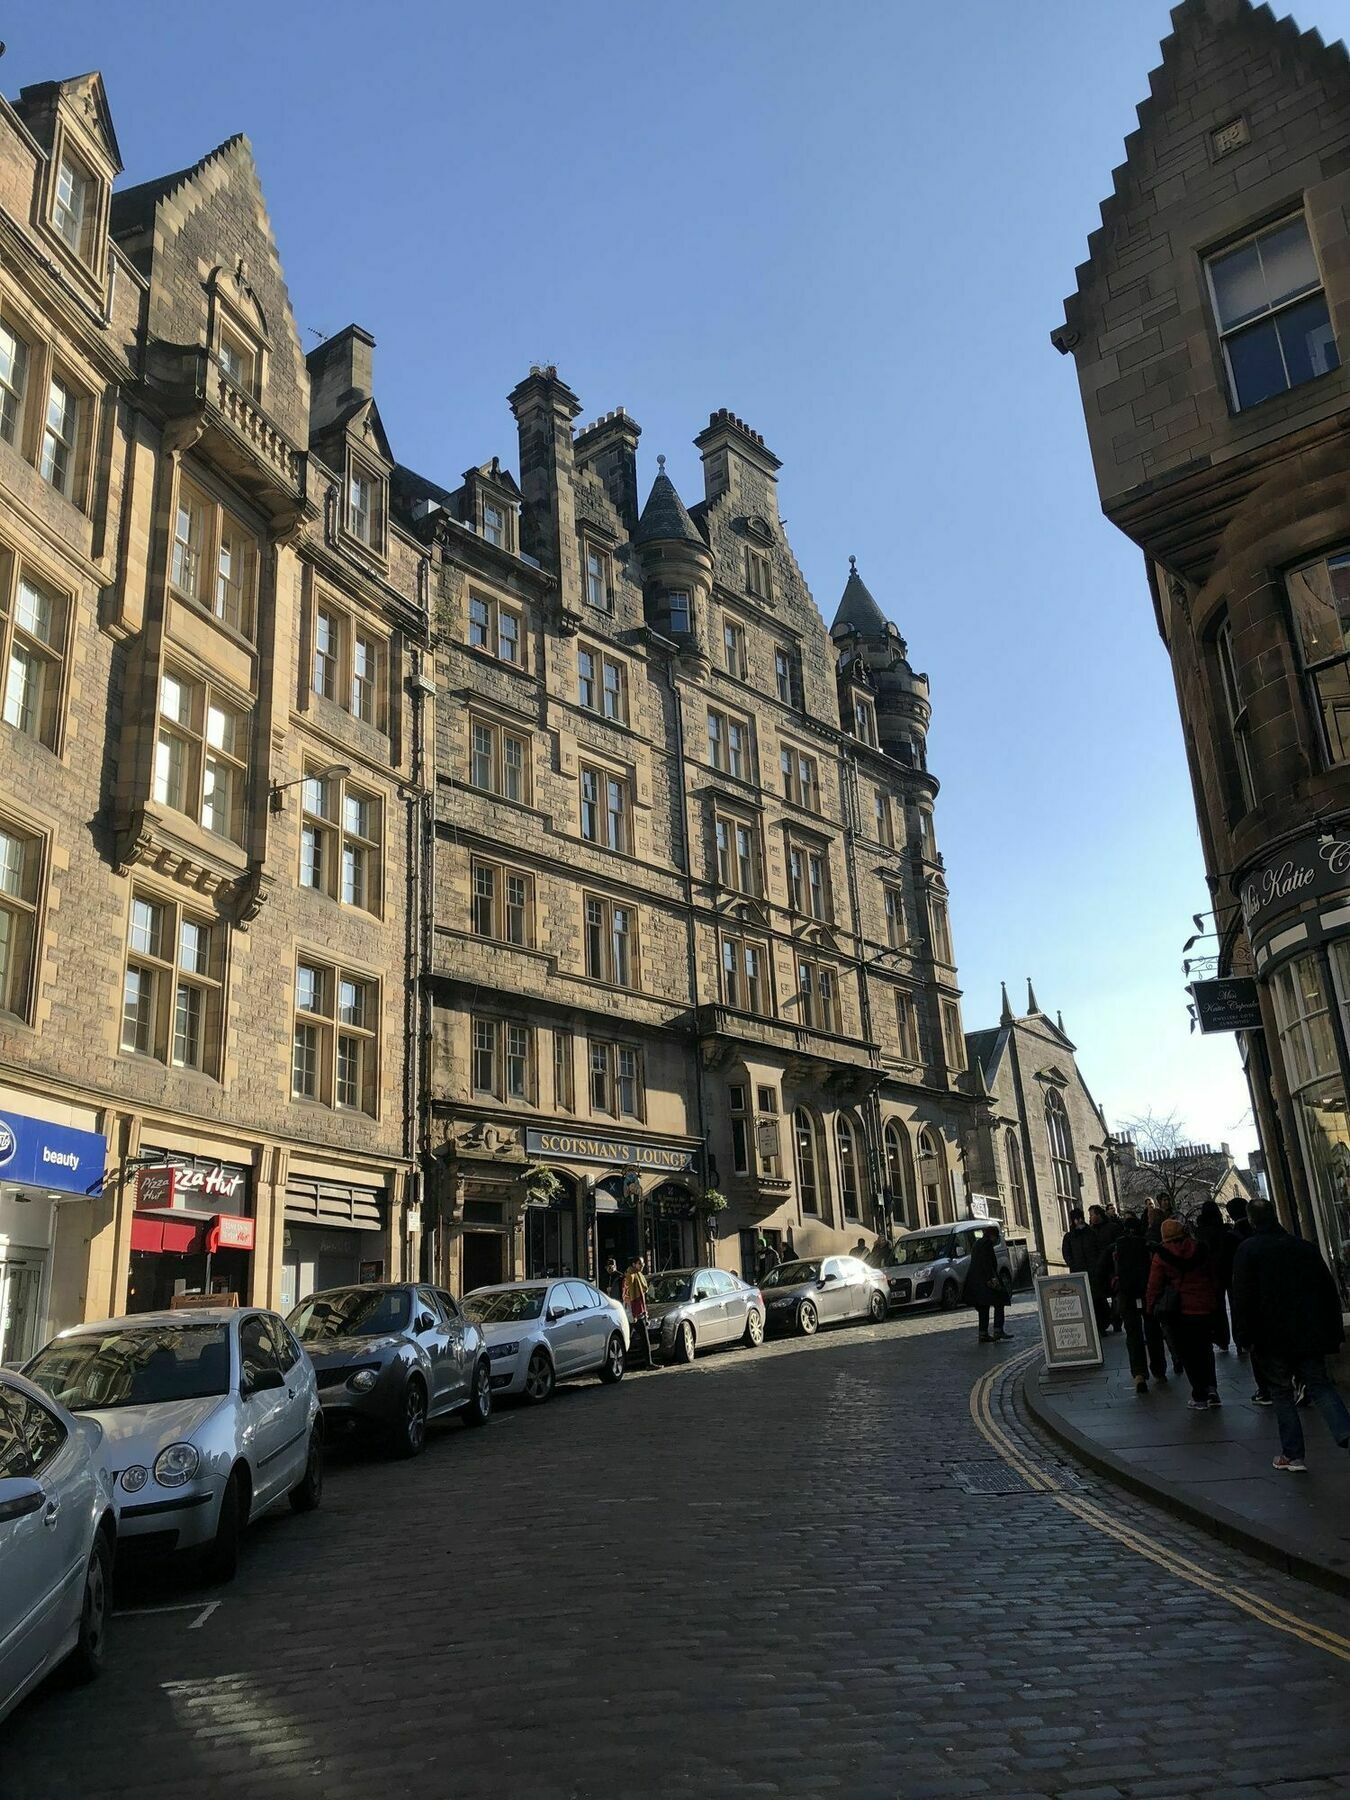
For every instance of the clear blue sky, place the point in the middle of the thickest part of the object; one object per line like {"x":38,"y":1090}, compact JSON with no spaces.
{"x":854,"y":224}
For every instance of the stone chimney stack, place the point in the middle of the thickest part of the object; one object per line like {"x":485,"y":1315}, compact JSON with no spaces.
{"x":545,"y":408}
{"x":736,"y":460}
{"x":341,"y":373}
{"x":609,"y":449}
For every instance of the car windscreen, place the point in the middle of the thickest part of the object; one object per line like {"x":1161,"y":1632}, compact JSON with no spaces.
{"x":791,"y":1274}
{"x":671,"y":1287}
{"x":351,"y":1312}
{"x":504,"y":1307}
{"x":137,"y":1365}
{"x":921,"y":1249}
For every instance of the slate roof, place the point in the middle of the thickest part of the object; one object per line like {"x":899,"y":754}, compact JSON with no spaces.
{"x":858,"y":611}
{"x":981,"y":1045}
{"x":665,"y":516}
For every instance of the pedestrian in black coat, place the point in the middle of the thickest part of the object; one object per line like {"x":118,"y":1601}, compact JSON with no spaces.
{"x":1287,"y":1309}
{"x":1221,"y":1242}
{"x":1143,"y":1334}
{"x":986,"y":1286}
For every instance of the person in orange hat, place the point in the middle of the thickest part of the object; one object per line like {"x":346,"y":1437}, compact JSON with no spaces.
{"x":1183,"y":1290}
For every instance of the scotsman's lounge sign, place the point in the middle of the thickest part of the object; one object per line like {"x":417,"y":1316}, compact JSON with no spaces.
{"x":620,"y":1153}
{"x":1308,"y":870}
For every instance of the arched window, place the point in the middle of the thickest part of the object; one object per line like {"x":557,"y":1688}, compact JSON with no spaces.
{"x":846,"y":1141}
{"x":1103,"y":1185}
{"x":1017,"y":1191}
{"x":932,"y":1177}
{"x":808,"y":1182}
{"x":900,"y":1173}
{"x":1061,"y":1153}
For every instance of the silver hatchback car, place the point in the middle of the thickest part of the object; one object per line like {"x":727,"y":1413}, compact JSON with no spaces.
{"x":929,"y":1268}
{"x":208,"y":1416}
{"x":693,"y":1309}
{"x":802,"y":1296}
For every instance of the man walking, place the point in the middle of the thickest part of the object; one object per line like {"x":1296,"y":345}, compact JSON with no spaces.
{"x":986,"y":1286}
{"x":1287,"y":1309}
{"x":1143,"y":1334}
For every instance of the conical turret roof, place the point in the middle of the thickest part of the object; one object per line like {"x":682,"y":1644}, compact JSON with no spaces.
{"x":858,"y":611}
{"x":665,"y":516}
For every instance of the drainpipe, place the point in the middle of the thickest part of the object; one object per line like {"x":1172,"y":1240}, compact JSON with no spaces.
{"x":690,"y":936}
{"x":871,"y":1107}
{"x":1028,"y":1156}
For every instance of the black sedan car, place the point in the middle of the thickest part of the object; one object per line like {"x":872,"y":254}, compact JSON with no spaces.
{"x":391,"y":1357}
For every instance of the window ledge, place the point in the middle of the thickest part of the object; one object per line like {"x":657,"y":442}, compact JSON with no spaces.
{"x":171,"y":844}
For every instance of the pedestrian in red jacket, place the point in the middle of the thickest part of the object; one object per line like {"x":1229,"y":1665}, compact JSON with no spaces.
{"x":1182,"y":1288}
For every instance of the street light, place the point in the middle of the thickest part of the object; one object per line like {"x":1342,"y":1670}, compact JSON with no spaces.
{"x":278,"y":788}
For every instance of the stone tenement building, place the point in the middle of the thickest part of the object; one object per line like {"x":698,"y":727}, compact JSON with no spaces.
{"x":211,"y":757}
{"x":691,"y":923}
{"x":326,"y":955}
{"x":1208,"y":327}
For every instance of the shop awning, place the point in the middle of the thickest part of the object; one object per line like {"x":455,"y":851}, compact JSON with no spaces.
{"x":160,"y":1231}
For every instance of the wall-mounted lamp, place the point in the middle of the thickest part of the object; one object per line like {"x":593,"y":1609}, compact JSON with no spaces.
{"x":278,"y":788}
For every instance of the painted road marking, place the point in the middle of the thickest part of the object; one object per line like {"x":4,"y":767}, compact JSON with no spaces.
{"x":142,"y":1612}
{"x":1042,"y":1482}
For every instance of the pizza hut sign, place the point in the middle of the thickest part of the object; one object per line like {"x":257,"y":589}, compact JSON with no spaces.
{"x":1308,"y":870}
{"x":183,"y":1184}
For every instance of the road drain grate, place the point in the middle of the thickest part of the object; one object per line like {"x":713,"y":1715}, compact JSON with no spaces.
{"x":988,"y":1478}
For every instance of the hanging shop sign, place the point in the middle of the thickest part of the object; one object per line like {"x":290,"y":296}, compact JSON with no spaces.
{"x":50,"y":1156}
{"x":190,"y":1183}
{"x":1309,"y":869}
{"x":230,"y":1232}
{"x":1068,"y":1322}
{"x":1229,"y":1003}
{"x":624,"y":1153}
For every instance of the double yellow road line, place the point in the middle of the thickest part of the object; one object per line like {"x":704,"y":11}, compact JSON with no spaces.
{"x":1041,"y":1481}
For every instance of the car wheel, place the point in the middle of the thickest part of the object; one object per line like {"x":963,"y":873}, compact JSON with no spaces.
{"x":877,"y":1308}
{"x":308,"y":1491}
{"x":807,"y":1319}
{"x":479,"y":1409}
{"x":86,"y":1659}
{"x":222,"y":1556}
{"x":949,"y":1296}
{"x":616,"y":1359}
{"x":682,"y":1349}
{"x":539,"y":1379}
{"x":410,"y":1434}
{"x":754,"y":1329}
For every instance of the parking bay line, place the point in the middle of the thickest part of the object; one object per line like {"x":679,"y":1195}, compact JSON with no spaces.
{"x":142,"y":1612}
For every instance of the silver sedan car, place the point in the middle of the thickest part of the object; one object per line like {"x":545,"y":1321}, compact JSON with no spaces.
{"x":539,"y":1333}
{"x":208,"y":1416}
{"x":693,"y":1309}
{"x":57,"y":1534}
{"x":803,"y":1296}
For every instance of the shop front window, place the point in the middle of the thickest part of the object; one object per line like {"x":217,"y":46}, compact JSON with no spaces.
{"x":1312,"y":1067}
{"x":550,"y":1242}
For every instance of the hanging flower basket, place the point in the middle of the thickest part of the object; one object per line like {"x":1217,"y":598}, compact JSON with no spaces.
{"x":709,"y":1204}
{"x":541,"y":1184}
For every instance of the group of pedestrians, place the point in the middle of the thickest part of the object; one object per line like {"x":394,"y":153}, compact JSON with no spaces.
{"x":1171,"y":1289}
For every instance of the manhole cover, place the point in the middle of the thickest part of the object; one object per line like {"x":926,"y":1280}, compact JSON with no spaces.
{"x":989,"y":1478}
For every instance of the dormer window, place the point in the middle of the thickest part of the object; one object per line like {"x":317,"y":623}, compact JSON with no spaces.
{"x":758,"y":574}
{"x":599,"y":593}
{"x":365,"y":507}
{"x":864,"y":722}
{"x":494,"y":524}
{"x":73,"y":204}
{"x":1271,"y":312}
{"x":678,"y":610}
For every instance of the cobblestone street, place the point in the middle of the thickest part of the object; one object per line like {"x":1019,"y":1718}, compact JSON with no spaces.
{"x":794,"y":1572}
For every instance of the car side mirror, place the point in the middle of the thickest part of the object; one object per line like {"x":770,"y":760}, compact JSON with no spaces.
{"x":558,"y":1312}
{"x":829,"y":1276}
{"x":425,"y":1322}
{"x":261,"y":1383}
{"x":19,"y":1496}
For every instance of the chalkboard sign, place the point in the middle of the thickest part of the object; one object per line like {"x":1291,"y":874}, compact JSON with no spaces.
{"x":1068,"y":1321}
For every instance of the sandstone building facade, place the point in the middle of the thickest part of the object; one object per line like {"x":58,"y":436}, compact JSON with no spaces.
{"x":691,"y":925}
{"x":212,"y":754}
{"x":1209,"y":328}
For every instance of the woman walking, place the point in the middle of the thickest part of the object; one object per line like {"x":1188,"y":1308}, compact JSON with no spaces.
{"x":1183,"y":1292}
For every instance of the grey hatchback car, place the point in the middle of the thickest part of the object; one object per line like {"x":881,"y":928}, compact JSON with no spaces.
{"x":929,"y":1268}
{"x":389,"y":1357}
{"x":802,"y":1296}
{"x":693,"y":1309}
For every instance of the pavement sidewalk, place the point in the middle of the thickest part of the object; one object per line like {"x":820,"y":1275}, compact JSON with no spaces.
{"x":1213,"y":1468}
